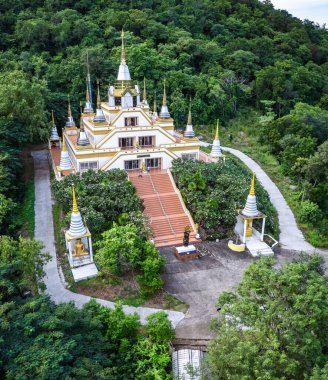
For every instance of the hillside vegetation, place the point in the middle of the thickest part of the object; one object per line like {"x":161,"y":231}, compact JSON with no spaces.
{"x":232,"y":57}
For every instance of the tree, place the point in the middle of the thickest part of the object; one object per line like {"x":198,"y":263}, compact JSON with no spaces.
{"x":120,"y":249}
{"x":275,"y":325}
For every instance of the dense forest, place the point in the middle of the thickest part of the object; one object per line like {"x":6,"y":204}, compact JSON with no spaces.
{"x":232,"y":57}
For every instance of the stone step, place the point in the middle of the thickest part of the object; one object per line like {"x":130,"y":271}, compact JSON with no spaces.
{"x":164,"y":208}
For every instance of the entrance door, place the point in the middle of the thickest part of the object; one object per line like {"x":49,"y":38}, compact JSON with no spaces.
{"x":153,"y":163}
{"x":131,"y":164}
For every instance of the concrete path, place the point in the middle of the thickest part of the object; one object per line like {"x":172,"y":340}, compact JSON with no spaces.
{"x":44,"y":231}
{"x":291,"y":236}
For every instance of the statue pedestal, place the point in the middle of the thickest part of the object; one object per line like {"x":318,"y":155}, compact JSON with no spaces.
{"x":186,"y":252}
{"x":84,"y":272}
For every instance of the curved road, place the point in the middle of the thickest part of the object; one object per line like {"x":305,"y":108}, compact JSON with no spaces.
{"x":44,"y":231}
{"x":291,"y":236}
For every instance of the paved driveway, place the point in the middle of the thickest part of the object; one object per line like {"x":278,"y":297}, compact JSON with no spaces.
{"x":199,"y":282}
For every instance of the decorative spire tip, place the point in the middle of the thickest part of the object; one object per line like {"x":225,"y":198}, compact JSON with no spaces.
{"x":75,"y":210}
{"x":252,"y":190}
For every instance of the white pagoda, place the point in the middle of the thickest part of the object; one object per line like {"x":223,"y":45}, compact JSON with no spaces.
{"x":216,"y":151}
{"x":79,"y":245}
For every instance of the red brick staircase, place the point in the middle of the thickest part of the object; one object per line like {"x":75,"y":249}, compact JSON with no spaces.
{"x":164,"y":208}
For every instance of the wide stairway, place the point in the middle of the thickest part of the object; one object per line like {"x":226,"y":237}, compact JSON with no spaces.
{"x":164,"y":208}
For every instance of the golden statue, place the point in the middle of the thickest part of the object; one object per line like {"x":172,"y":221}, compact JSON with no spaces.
{"x":79,"y":248}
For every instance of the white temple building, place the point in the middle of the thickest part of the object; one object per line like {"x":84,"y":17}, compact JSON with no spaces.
{"x":123,"y":132}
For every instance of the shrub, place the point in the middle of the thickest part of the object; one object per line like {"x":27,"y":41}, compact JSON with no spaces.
{"x":310,"y":212}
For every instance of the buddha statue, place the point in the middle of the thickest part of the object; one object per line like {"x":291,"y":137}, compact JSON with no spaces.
{"x":79,"y":248}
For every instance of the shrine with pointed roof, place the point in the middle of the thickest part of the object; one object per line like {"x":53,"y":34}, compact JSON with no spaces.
{"x":123,"y":132}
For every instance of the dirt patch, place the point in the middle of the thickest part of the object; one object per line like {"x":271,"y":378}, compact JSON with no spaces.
{"x":127,"y":290}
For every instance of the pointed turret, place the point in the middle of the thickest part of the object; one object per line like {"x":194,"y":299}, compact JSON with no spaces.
{"x":89,"y":79}
{"x":70,"y":121}
{"x":189,"y":132}
{"x":164,"y":114}
{"x":144,"y":94}
{"x":216,"y":147}
{"x":77,"y":227}
{"x":250,"y":209}
{"x":123,"y":71}
{"x":88,"y":106}
{"x":54,"y":133}
{"x":83,"y":139}
{"x":100,"y":116}
{"x":65,"y":161}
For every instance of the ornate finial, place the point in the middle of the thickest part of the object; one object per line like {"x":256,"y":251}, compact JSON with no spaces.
{"x":217,"y":131}
{"x":123,"y":62}
{"x":53,"y":119}
{"x":164,"y":93}
{"x":252,"y":190}
{"x":98,"y":97}
{"x":189,"y":113}
{"x":75,"y":210}
{"x":155,"y":106}
{"x":144,"y":96}
{"x":69,"y":111}
{"x":87,"y":96}
{"x":64,"y":142}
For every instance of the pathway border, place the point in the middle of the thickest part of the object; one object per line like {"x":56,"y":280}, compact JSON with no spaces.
{"x":44,"y":231}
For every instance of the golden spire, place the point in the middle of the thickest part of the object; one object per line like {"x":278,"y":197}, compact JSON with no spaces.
{"x":75,"y":210}
{"x":69,"y":111}
{"x":252,"y":190}
{"x":155,"y":106}
{"x":189,"y":113}
{"x":164,"y":93}
{"x":87,"y":96}
{"x":64,"y":143}
{"x":53,"y":119}
{"x":98,"y":97}
{"x":123,"y":62}
{"x":217,"y":131}
{"x":144,"y":96}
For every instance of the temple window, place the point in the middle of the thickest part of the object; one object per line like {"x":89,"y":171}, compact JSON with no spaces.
{"x":147,"y":140}
{"x":134,"y":101}
{"x":84,"y":166}
{"x":131,"y":121}
{"x":153,"y":163}
{"x":125,"y":142}
{"x":131,"y":164}
{"x":118,"y":101}
{"x":189,"y":156}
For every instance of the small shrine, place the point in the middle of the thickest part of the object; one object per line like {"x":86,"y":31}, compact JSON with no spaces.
{"x":249,"y":236}
{"x":186,"y":251}
{"x":189,"y":131}
{"x":54,"y":139}
{"x":216,"y":151}
{"x":79,"y":245}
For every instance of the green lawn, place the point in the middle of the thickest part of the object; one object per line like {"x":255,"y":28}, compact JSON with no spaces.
{"x":27,"y":217}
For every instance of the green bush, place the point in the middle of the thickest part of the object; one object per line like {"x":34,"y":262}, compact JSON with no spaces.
{"x":102,"y":198}
{"x":310,"y":212}
{"x":121,"y":250}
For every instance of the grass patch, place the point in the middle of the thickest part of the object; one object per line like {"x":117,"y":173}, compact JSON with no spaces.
{"x":27,"y":216}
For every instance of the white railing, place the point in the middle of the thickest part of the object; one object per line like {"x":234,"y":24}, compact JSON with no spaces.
{"x":182,"y":202}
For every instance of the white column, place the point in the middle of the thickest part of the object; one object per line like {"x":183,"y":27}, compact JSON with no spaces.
{"x":263,"y":226}
{"x":70,"y":254}
{"x":90,"y":248}
{"x":244,"y":237}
